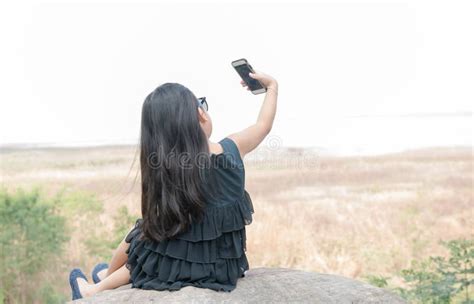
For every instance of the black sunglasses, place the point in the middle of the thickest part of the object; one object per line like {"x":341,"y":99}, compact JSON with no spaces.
{"x":202,"y":102}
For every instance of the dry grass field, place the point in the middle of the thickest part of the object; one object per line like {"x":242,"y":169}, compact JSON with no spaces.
{"x":350,"y":216}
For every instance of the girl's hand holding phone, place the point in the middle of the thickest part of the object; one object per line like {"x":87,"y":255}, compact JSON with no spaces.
{"x":268,"y":81}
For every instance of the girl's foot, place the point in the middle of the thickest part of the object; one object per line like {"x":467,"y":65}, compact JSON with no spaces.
{"x":86,"y":289}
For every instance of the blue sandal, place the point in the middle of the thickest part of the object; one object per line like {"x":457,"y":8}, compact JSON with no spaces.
{"x":76,"y":273}
{"x":98,"y":268}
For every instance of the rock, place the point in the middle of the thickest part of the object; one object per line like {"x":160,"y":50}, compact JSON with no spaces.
{"x":261,"y":285}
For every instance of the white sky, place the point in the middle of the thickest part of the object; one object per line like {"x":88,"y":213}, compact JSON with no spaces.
{"x":372,"y":76}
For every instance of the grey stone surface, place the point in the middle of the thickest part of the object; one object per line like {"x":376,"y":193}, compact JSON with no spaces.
{"x":261,"y":285}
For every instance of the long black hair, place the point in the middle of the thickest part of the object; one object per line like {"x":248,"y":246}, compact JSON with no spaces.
{"x":174,"y":156}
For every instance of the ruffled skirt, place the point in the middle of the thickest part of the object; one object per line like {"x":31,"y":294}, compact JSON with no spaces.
{"x":211,"y":254}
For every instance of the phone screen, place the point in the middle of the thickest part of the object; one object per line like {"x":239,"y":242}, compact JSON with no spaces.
{"x":244,"y":71}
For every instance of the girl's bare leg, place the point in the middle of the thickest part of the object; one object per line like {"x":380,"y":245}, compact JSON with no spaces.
{"x":118,"y":259}
{"x":115,"y":276}
{"x":118,"y":278}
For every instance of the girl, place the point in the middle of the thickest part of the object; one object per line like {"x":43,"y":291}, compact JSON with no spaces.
{"x":193,"y":203}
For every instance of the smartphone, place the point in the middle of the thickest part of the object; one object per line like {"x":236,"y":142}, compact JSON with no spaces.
{"x":243,"y":68}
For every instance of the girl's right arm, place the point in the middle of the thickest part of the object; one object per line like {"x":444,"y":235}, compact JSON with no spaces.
{"x":250,"y":137}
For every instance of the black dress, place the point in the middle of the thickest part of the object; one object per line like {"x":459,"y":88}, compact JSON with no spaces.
{"x":211,"y":254}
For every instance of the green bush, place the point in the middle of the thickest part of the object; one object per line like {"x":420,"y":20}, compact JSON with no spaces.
{"x":33,"y":231}
{"x":442,"y":280}
{"x":378,"y":281}
{"x":32,"y":236}
{"x":438,"y":280}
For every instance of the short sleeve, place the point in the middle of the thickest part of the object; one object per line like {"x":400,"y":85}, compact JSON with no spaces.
{"x":230,"y":147}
